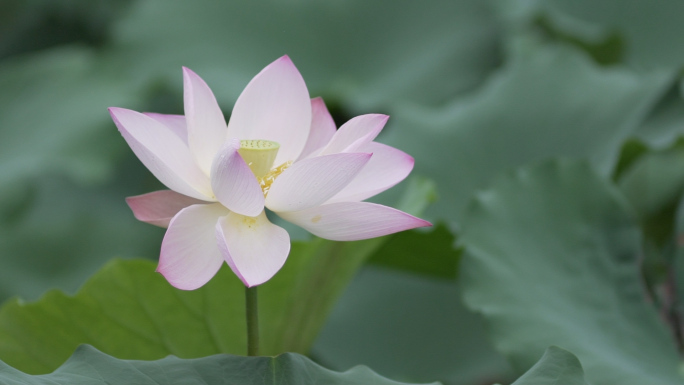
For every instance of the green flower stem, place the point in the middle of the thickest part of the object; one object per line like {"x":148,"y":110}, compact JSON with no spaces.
{"x":252,"y":309}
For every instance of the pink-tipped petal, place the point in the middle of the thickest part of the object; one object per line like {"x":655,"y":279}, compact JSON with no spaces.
{"x":312,"y":181}
{"x":252,"y":246}
{"x":274,"y":106}
{"x":175,"y":123}
{"x":322,"y":128}
{"x":157,"y":208}
{"x":190,"y":255}
{"x":163,"y":153}
{"x":353,"y":221}
{"x":355,"y":133}
{"x":387,"y":167}
{"x":234,"y":184}
{"x":207,"y":129}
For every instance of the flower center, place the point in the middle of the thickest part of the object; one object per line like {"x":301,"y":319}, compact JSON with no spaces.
{"x":259,"y":156}
{"x":267,"y":180}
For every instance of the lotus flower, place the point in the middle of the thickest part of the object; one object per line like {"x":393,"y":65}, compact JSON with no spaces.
{"x":281,"y":151}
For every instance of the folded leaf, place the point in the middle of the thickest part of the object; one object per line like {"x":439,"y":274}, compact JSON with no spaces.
{"x":89,"y":366}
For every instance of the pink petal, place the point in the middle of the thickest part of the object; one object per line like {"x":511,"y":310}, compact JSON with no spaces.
{"x":163,"y":153}
{"x":274,"y":106}
{"x":175,"y":123}
{"x":355,"y":133}
{"x":322,"y":128}
{"x":157,"y":208}
{"x":353,"y":221}
{"x":190,"y":256}
{"x":312,"y":181}
{"x":386,"y":168}
{"x":253,"y":247}
{"x":207,"y":129}
{"x":233,"y":182}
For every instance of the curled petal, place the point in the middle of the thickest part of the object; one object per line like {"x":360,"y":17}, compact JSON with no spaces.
{"x":387,"y":167}
{"x":353,"y":221}
{"x":163,"y":153}
{"x":355,"y":133}
{"x":322,"y":128}
{"x":190,"y":256}
{"x":312,"y":181}
{"x":175,"y":123}
{"x":252,"y":246}
{"x":274,"y":106}
{"x":233,"y":182}
{"x":157,"y":208}
{"x":206,"y":125}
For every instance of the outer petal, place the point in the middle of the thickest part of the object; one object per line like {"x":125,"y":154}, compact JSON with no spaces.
{"x":322,"y":128}
{"x":274,"y":106}
{"x":207,"y":129}
{"x":163,"y":153}
{"x":157,"y":208}
{"x":190,"y":256}
{"x":312,"y":181}
{"x":387,"y":167}
{"x":355,"y":133}
{"x":253,"y":247}
{"x":234,"y":184}
{"x":352,"y":221}
{"x":175,"y":123}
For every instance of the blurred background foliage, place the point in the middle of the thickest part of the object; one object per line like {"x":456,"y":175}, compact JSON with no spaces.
{"x":486,"y":95}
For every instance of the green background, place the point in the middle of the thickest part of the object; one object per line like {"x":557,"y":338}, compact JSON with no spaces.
{"x":546,"y":137}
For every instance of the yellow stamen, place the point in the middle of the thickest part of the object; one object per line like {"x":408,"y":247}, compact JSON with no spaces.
{"x":268,"y":179}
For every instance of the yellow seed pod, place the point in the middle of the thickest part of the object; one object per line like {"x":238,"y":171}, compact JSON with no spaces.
{"x":259,"y":155}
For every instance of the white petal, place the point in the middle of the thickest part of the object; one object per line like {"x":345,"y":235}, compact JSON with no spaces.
{"x":353,"y":221}
{"x":163,"y":153}
{"x":322,"y":128}
{"x":387,"y":167}
{"x":207,"y":129}
{"x":274,"y":106}
{"x":312,"y":181}
{"x":190,"y":255}
{"x":175,"y":123}
{"x":253,"y":247}
{"x":157,"y":208}
{"x":355,"y":133}
{"x":234,"y":184}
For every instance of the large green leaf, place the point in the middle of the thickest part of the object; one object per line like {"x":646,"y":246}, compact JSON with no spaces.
{"x":88,"y":366}
{"x":547,"y":101}
{"x":129,"y":311}
{"x":551,"y":258}
{"x":557,"y":366}
{"x":363,"y":54}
